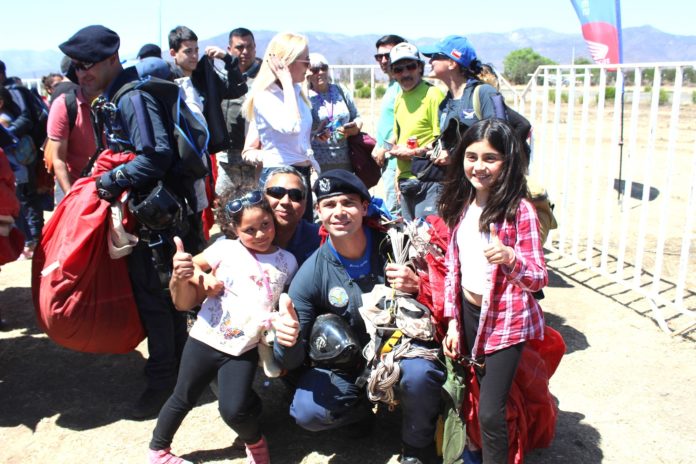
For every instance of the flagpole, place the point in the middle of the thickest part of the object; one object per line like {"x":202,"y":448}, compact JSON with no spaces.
{"x":621,"y":188}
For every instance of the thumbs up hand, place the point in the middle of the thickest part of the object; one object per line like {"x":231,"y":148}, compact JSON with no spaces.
{"x":182,"y":262}
{"x":496,"y":252}
{"x":286,"y":323}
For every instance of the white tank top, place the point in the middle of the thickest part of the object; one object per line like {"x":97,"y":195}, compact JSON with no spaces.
{"x":471,"y":241}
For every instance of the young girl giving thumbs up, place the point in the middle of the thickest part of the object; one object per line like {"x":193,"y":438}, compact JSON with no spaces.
{"x":494,"y":263}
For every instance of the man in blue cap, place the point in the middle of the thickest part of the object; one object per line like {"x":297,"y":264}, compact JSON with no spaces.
{"x":155,"y":178}
{"x":331,"y":281}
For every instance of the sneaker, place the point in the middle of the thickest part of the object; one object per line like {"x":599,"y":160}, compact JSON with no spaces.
{"x":412,"y":455}
{"x":258,"y":452}
{"x":150,"y":403}
{"x":164,"y":456}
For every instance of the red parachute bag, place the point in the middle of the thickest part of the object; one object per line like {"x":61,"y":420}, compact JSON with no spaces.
{"x":531,"y":411}
{"x":82,"y":297}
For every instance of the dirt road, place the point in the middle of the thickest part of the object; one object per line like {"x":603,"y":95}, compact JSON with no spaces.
{"x":624,"y":388}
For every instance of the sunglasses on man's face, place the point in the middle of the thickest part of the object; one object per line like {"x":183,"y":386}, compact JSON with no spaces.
{"x":317,"y":69}
{"x":80,"y":66}
{"x":381,"y":56}
{"x":250,"y":199}
{"x":278,"y":193}
{"x":398,"y":69}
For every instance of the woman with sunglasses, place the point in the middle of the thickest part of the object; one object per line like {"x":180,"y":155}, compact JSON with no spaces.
{"x":454,"y":62}
{"x":334,"y":117}
{"x":279,"y":112}
{"x":239,"y":282}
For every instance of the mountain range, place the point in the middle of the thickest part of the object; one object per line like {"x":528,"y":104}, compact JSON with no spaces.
{"x":640,"y":45}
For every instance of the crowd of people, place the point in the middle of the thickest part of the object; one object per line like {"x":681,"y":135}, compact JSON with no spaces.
{"x":303,"y":241}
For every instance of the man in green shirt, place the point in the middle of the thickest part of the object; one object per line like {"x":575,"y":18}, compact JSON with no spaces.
{"x":415,"y":116}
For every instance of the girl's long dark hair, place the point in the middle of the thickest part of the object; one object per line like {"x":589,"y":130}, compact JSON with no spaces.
{"x":509,"y":188}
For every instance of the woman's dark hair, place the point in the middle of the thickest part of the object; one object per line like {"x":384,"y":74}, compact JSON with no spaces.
{"x":509,"y":188}
{"x":472,"y":71}
{"x":226,"y":220}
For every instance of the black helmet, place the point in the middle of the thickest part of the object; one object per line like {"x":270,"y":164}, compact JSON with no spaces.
{"x":332,"y":342}
{"x":159,"y":211}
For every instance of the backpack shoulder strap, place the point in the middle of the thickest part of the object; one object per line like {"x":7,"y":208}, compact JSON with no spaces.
{"x":476,"y":97}
{"x":71,"y":107}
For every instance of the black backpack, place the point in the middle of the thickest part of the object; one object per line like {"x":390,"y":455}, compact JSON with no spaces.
{"x":189,"y":134}
{"x":519,"y":123}
{"x":37,"y":109}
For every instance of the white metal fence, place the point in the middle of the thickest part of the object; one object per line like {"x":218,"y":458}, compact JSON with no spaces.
{"x":622,"y":175}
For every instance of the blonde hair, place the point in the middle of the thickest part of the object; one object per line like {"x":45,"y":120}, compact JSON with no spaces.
{"x":286,"y":46}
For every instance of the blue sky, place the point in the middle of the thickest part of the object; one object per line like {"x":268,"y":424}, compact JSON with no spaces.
{"x":138,"y":21}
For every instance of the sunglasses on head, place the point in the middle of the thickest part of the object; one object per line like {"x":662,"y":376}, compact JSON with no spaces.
{"x":381,"y":56}
{"x":398,"y":69}
{"x":278,"y":193}
{"x":80,"y":66}
{"x":317,"y":69}
{"x":250,"y":199}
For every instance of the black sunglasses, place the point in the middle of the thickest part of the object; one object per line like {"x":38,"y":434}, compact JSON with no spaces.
{"x":80,"y":66}
{"x":381,"y":56}
{"x":398,"y":69}
{"x":316,"y":69}
{"x":250,"y":199}
{"x":278,"y":193}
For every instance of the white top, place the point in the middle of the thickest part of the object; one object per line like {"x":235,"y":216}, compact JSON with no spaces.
{"x":285,"y":139}
{"x":233,"y":321}
{"x":471,"y":242}
{"x":192,"y":98}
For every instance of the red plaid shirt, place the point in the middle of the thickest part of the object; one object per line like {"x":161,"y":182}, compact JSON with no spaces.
{"x":509,"y":312}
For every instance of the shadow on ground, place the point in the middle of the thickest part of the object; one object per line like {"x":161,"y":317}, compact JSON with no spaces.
{"x":39,"y":379}
{"x":289,"y":444}
{"x":575,"y":443}
{"x":573,"y":338}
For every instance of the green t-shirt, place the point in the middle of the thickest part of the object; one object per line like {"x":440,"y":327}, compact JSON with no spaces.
{"x":416,"y":115}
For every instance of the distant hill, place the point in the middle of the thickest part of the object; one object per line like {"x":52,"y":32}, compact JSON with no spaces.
{"x":641,"y":45}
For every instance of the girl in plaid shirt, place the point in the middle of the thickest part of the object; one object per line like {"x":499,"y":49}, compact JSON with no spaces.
{"x":494,"y":263}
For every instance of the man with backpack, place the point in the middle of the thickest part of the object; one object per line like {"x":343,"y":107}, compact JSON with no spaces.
{"x":30,"y":115}
{"x":160,"y":179}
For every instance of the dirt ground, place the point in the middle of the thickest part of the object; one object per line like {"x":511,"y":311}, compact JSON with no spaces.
{"x":624,"y":390}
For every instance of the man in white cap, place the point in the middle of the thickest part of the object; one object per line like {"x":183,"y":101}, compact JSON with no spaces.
{"x":416,"y":126}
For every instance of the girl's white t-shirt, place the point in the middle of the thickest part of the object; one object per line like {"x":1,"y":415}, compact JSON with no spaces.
{"x":471,"y":242}
{"x":232,"y":321}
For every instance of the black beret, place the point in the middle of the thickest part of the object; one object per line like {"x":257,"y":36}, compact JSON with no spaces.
{"x":150,"y":50}
{"x":91,"y":44}
{"x":339,"y":182}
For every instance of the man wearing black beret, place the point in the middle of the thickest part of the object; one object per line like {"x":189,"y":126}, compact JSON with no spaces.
{"x":136,"y":123}
{"x":331,"y":281}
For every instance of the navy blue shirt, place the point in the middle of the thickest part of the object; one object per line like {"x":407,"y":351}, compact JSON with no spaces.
{"x":304,"y":241}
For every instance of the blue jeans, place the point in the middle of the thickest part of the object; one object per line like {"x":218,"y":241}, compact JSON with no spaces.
{"x":418,"y":199}
{"x":327,"y":400}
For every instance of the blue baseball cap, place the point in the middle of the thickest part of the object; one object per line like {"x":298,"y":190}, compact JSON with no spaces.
{"x":458,"y":48}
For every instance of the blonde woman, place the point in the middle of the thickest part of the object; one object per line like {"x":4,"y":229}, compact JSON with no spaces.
{"x":279,"y":111}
